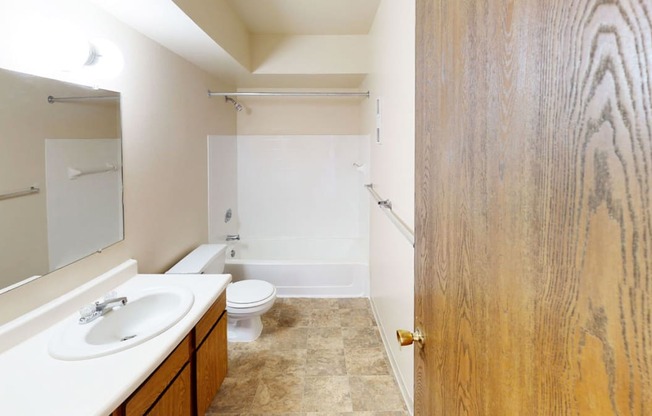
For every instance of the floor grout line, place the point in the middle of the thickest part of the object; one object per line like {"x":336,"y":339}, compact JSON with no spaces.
{"x":278,"y":345}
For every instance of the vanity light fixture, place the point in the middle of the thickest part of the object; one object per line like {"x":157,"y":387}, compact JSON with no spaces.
{"x":53,"y":45}
{"x":104,"y":60}
{"x":93,"y":59}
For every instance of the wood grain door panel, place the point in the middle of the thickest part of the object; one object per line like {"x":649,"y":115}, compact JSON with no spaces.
{"x":533,"y":207}
{"x":177,"y":400}
{"x":212,"y":362}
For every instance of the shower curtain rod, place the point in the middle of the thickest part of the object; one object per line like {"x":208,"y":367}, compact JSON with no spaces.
{"x":289,"y":94}
{"x":28,"y":191}
{"x":52,"y":99}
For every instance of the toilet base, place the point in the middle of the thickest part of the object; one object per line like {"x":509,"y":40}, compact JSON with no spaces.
{"x":244,"y":329}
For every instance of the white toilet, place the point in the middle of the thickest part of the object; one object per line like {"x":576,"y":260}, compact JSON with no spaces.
{"x":246,"y":300}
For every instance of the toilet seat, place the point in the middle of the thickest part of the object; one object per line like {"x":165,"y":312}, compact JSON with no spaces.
{"x":249,"y":294}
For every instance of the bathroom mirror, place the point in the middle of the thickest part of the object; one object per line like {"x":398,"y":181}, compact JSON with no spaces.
{"x":60,"y":175}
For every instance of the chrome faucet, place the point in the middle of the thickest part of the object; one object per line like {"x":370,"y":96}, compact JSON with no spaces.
{"x":233,"y":237}
{"x":109,"y":304}
{"x":97,"y":309}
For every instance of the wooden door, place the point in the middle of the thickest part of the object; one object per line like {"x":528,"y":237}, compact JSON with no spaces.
{"x":533,"y":207}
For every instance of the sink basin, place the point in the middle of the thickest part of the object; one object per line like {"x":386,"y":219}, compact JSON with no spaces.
{"x":148,"y":313}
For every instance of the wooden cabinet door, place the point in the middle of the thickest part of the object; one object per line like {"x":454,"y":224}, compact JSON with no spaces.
{"x":151,"y":389}
{"x":177,"y":399}
{"x":211,"y":365}
{"x":533,"y":213}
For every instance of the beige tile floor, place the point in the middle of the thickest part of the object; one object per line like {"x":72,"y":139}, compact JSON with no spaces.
{"x":315,"y":357}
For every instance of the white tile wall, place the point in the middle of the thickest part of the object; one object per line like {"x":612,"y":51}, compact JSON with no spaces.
{"x":301,"y":186}
{"x":288,"y":186}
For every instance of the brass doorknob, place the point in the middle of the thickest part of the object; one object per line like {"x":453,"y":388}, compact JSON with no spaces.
{"x":405,"y":337}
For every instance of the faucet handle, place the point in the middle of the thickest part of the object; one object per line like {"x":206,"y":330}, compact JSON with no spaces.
{"x":87,"y":313}
{"x":110,"y":295}
{"x":87,"y":310}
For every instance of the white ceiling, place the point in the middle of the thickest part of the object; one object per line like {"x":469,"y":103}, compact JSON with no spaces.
{"x":164,"y":22}
{"x":306,"y":17}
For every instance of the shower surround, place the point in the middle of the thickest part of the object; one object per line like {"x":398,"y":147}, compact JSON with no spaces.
{"x":300,"y":208}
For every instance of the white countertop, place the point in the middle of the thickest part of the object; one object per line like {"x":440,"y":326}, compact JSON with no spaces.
{"x":33,"y":383}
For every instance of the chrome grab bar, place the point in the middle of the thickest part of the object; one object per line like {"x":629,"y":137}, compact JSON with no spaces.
{"x":386,"y":204}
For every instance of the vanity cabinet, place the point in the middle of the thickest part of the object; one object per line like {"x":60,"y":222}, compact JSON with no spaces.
{"x":211,"y":354}
{"x":186,"y":382}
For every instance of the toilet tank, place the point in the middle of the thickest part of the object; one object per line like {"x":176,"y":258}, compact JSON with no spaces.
{"x":207,"y":258}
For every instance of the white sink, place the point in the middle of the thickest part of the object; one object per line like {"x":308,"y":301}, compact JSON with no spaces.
{"x":148,"y":313}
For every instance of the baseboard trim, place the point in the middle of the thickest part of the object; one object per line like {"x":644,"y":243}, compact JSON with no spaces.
{"x":409,"y":400}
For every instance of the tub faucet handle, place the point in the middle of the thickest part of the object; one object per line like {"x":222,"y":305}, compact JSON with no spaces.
{"x":233,"y":237}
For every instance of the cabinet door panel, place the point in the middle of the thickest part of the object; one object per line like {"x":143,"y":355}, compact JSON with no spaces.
{"x":209,"y":319}
{"x":177,"y":400}
{"x":211,"y":365}
{"x":149,"y":391}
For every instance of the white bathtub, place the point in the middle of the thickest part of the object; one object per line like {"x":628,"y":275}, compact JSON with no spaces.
{"x":301,"y":267}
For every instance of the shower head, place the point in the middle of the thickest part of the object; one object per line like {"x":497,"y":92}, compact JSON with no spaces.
{"x":236,"y":104}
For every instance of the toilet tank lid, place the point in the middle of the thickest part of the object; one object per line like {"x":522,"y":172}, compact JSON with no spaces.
{"x":197,"y":260}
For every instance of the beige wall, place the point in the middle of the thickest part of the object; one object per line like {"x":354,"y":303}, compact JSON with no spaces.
{"x":286,"y":54}
{"x":392,"y":173}
{"x":292,"y":115}
{"x":166,"y":118}
{"x":27,"y":119}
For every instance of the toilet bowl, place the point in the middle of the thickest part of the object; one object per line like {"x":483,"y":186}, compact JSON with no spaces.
{"x":246,"y":300}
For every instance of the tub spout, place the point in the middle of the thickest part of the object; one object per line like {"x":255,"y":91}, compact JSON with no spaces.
{"x":233,"y":237}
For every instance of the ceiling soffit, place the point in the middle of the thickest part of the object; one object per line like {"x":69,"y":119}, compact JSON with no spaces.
{"x":306,"y":17}
{"x":258,"y":42}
